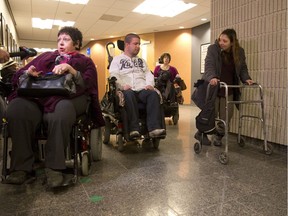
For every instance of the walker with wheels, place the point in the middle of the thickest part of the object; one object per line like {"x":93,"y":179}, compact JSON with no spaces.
{"x":223,"y":156}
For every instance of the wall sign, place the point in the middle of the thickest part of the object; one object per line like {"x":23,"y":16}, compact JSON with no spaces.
{"x":203,"y":53}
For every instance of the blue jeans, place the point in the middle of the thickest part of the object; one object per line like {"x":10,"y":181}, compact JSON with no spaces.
{"x":151,"y":101}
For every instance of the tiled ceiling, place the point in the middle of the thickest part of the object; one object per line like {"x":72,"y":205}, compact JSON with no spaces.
{"x":99,"y":19}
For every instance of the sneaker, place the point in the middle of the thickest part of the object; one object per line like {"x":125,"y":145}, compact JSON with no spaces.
{"x":157,"y":132}
{"x":17,"y":177}
{"x":205,"y":140}
{"x":217,"y":140}
{"x":134,"y":134}
{"x":54,"y":178}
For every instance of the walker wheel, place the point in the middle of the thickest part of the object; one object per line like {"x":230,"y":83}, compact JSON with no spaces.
{"x":242,"y":142}
{"x":269,"y":150}
{"x":223,"y":158}
{"x":197,"y":148}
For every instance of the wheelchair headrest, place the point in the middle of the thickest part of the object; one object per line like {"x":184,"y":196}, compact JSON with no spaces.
{"x":120,"y":45}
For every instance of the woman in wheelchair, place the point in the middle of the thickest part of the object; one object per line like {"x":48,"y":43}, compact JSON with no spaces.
{"x":58,"y":113}
{"x":137,"y":82}
{"x":167,"y":80}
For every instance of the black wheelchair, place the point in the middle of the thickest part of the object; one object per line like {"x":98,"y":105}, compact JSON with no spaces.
{"x":85,"y":142}
{"x":84,"y":148}
{"x":115,"y":116}
{"x":171,"y":93}
{"x":116,"y":121}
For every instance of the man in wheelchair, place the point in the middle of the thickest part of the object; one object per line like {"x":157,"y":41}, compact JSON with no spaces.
{"x":137,"y":83}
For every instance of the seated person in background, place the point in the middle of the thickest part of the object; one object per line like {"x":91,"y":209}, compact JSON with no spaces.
{"x":165,"y":72}
{"x":4,"y":56}
{"x":7,"y":70}
{"x":59,"y":113}
{"x":137,"y":83}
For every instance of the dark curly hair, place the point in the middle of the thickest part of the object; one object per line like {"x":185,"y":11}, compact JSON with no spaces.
{"x":161,"y":59}
{"x":75,"y":35}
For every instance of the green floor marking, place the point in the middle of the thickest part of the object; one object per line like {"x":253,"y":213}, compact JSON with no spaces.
{"x":85,"y":180}
{"x":96,"y":198}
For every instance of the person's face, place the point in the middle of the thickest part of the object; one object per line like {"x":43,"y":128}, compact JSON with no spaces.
{"x":166,"y":60}
{"x":224,"y":42}
{"x":65,"y":44}
{"x":133,"y":48}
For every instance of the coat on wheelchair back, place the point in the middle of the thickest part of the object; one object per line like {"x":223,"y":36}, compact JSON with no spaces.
{"x":165,"y":86}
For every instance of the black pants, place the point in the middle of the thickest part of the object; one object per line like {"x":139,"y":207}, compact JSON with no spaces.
{"x":24,"y":118}
{"x":151,"y":101}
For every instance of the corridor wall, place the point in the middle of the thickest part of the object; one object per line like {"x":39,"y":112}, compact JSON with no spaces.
{"x":261,"y":26}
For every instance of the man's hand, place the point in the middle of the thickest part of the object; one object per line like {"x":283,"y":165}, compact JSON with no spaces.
{"x":149,"y":87}
{"x":126,"y":87}
{"x":4,"y":56}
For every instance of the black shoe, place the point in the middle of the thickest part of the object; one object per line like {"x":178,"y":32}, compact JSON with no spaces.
{"x":217,"y":140}
{"x":205,"y":140}
{"x":54,"y":178}
{"x":157,"y":133}
{"x":17,"y":177}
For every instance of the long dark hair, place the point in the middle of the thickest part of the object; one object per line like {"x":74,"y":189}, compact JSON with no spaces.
{"x":231,"y":34}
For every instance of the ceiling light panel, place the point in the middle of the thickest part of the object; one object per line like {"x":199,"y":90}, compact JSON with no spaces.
{"x":163,"y":8}
{"x":75,"y":1}
{"x":48,"y":23}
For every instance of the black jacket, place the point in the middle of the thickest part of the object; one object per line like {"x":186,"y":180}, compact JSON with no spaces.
{"x":213,"y":64}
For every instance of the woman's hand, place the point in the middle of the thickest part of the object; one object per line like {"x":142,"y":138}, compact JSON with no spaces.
{"x":214,"y":81}
{"x":249,"y":82}
{"x":32,"y":71}
{"x":62,"y":68}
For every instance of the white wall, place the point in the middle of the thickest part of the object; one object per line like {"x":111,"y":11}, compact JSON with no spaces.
{"x":8,"y":20}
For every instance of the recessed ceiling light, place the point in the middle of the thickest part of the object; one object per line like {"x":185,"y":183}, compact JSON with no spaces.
{"x":163,"y":8}
{"x":204,"y":19}
{"x":181,"y":27}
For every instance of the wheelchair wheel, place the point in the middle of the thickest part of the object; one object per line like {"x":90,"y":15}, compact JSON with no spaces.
{"x":107,"y":130}
{"x":120,"y":142}
{"x":197,"y":147}
{"x":175,"y":117}
{"x":156,"y":143}
{"x":96,"y":144}
{"x":85,"y":164}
